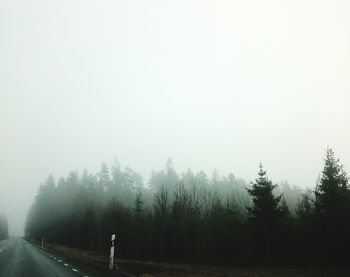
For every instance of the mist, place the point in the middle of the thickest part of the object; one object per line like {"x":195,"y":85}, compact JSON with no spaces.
{"x":211,"y":85}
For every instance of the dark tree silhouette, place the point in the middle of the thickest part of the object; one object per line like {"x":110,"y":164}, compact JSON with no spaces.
{"x":333,"y":209}
{"x":4,"y":232}
{"x":265,"y":214}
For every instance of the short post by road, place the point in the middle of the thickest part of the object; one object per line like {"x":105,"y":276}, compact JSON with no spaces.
{"x":42,"y":241}
{"x":111,"y":257}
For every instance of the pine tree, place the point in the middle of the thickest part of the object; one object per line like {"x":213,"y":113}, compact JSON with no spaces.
{"x":139,"y":206}
{"x":266,"y":207}
{"x":304,"y":209}
{"x":138,"y":231}
{"x":332,"y":208}
{"x":332,"y":192}
{"x":104,"y":178}
{"x":306,"y":243}
{"x":265,"y":214}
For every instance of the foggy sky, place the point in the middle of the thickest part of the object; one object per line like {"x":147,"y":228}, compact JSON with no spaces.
{"x":211,"y":84}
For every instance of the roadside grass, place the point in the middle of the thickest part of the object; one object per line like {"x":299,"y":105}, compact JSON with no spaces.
{"x":155,"y":269}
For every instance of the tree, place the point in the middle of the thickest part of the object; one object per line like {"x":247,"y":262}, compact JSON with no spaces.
{"x":4,"y":233}
{"x":139,"y":225}
{"x":139,"y":206}
{"x":104,"y":178}
{"x":333,"y":209}
{"x":332,"y":192}
{"x":265,"y":214}
{"x":265,"y":208}
{"x":304,"y":210}
{"x":42,"y":215}
{"x":306,"y":245}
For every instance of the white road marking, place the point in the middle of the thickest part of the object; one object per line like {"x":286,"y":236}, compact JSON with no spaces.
{"x":58,"y":260}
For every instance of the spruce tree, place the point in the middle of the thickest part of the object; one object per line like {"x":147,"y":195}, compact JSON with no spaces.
{"x":265,"y":215}
{"x":138,"y":206}
{"x":266,"y":208}
{"x":332,"y":207}
{"x":332,"y":191}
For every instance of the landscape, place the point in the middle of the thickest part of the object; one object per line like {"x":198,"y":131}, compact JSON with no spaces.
{"x":180,"y":138}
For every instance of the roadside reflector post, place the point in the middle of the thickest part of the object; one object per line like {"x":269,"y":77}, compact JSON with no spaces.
{"x":111,"y":256}
{"x":42,"y":241}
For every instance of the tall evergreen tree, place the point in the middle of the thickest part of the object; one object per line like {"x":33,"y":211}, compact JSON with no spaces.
{"x":265,"y":214}
{"x":266,"y":207}
{"x":104,"y":178}
{"x":333,"y":209}
{"x":139,"y":206}
{"x":332,"y":192}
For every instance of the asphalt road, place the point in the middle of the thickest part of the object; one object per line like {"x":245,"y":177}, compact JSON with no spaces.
{"x":18,"y":258}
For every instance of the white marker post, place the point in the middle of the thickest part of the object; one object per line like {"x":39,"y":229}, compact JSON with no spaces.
{"x":111,"y":257}
{"x":42,"y":241}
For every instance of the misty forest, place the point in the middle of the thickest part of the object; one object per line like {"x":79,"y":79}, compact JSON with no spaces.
{"x":193,"y":217}
{"x":4,"y":233}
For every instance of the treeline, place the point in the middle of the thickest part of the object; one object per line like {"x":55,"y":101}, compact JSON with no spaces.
{"x":193,"y":218}
{"x":4,"y":232}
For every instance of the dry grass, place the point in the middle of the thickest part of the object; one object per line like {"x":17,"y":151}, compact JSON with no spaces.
{"x":153,"y":269}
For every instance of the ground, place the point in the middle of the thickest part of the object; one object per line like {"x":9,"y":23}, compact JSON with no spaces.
{"x":154,"y":269}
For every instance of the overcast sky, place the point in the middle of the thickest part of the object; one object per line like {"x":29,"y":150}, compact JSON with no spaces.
{"x":211,"y":84}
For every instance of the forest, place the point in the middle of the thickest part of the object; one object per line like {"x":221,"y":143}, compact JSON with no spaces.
{"x":193,"y":218}
{"x":4,"y":233}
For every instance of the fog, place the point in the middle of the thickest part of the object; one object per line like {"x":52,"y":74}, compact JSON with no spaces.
{"x":211,"y":84}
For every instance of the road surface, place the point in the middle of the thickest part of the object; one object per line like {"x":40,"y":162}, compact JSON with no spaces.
{"x":18,"y":258}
